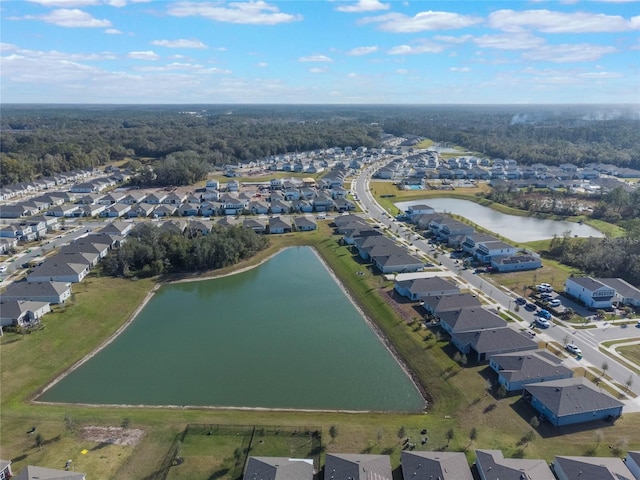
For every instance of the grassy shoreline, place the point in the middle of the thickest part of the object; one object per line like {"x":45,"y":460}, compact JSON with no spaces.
{"x":460,"y":399}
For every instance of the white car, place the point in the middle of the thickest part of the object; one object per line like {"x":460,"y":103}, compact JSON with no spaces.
{"x":570,"y":347}
{"x":3,"y":268}
{"x":542,"y":322}
{"x":554,"y":303}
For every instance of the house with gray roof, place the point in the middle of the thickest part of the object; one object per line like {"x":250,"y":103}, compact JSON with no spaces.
{"x":304,"y":224}
{"x":21,"y":312}
{"x":571,"y":400}
{"x":492,"y":465}
{"x":255,"y":225}
{"x":118,"y":228}
{"x":51,"y":292}
{"x":32,"y":472}
{"x":347,"y":466}
{"x":469,"y":320}
{"x":437,"y":304}
{"x":93,"y":243}
{"x":472,"y":241}
{"x":277,"y":225}
{"x":278,"y":468}
{"x":59,"y":272}
{"x":590,"y":468}
{"x":435,"y":465}
{"x":493,"y":248}
{"x":343,"y":221}
{"x":625,"y":293}
{"x":69,"y":256}
{"x":590,"y":292}
{"x":517,"y":369}
{"x":632,"y":461}
{"x":485,"y":343}
{"x":417,"y":288}
{"x":397,"y":261}
{"x":513,"y":263}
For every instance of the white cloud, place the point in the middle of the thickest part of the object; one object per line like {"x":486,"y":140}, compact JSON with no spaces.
{"x":146,"y":55}
{"x":72,"y":18}
{"x":352,"y":75}
{"x":66,"y":3}
{"x":317,"y":70}
{"x":362,"y":50}
{"x":315,"y":58}
{"x":364,"y":6}
{"x":415,"y":49}
{"x":423,"y":21}
{"x":600,"y":75}
{"x":402,"y":71}
{"x":451,"y":39}
{"x":509,"y":41}
{"x":253,"y":13}
{"x":460,"y":69}
{"x":179,"y":43}
{"x":113,"y":31}
{"x":262,"y":64}
{"x":568,"y":53}
{"x":559,"y":22}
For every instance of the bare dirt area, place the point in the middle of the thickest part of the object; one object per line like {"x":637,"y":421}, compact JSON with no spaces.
{"x":112,"y":435}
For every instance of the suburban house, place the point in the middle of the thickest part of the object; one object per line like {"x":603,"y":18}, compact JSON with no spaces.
{"x":571,"y":400}
{"x":164,"y":210}
{"x":5,"y":469}
{"x":118,"y":228}
{"x":570,"y":468}
{"x":591,"y":292}
{"x":450,"y":230}
{"x":277,"y":225}
{"x":59,"y":272}
{"x":255,"y":225}
{"x":632,"y":461}
{"x":494,"y":341}
{"x":304,"y":224}
{"x":492,"y":465}
{"x":69,"y":256}
{"x":21,"y":312}
{"x":472,"y":241}
{"x":94,"y":243}
{"x":487,"y":250}
{"x":394,"y":261}
{"x":51,"y":292}
{"x":518,"y":369}
{"x":116,"y":210}
{"x":417,"y":288}
{"x":437,"y":304}
{"x":420,"y":209}
{"x":625,"y":293}
{"x":513,"y":263}
{"x":357,"y":467}
{"x":349,"y":235}
{"x":7,"y":244}
{"x":31,"y":472}
{"x":468,"y":320}
{"x":435,"y":465}
{"x":276,"y":468}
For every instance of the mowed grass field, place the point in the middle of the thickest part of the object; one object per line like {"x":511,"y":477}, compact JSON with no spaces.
{"x":100,"y":305}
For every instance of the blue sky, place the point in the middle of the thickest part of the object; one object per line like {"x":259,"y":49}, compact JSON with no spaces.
{"x":320,"y":51}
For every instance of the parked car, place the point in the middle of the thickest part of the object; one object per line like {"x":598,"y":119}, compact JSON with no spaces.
{"x":546,"y":295}
{"x":542,"y":322}
{"x":544,"y":314}
{"x":555,"y":303}
{"x":531,"y":307}
{"x":570,"y":347}
{"x":520,"y":301}
{"x":3,"y":268}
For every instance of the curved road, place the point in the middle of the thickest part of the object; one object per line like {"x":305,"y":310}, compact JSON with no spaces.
{"x":587,"y":339}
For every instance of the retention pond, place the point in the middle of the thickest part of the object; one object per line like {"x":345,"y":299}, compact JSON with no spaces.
{"x":281,"y":335}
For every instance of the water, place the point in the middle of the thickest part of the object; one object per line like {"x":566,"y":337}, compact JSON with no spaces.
{"x":516,"y":228}
{"x":282,"y":335}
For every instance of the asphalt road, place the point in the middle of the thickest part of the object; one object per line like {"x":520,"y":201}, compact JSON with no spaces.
{"x":587,"y":339}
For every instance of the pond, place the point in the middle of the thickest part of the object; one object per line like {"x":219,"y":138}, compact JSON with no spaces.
{"x":281,"y":335}
{"x":513,"y":227}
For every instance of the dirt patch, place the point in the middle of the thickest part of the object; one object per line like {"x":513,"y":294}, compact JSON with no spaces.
{"x":112,"y":435}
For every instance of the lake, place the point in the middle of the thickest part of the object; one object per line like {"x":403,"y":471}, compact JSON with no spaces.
{"x":513,"y":227}
{"x":281,"y":335}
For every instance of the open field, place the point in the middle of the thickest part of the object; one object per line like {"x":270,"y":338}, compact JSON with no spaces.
{"x":100,"y":305}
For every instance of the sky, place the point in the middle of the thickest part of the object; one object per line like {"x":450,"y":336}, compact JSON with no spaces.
{"x":320,"y":52}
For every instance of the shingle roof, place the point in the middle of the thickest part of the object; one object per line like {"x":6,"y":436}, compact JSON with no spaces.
{"x":592,"y":468}
{"x":469,"y":319}
{"x":441,"y":303}
{"x":423,"y":286}
{"x":435,"y":465}
{"x":570,"y":396}
{"x":496,"y":340}
{"x":357,"y":467}
{"x":495,"y":466}
{"x":278,"y":468}
{"x":621,"y":287}
{"x":515,"y":367}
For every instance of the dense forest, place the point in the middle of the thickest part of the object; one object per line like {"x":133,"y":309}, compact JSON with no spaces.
{"x":152,"y":251}
{"x":43,"y":140}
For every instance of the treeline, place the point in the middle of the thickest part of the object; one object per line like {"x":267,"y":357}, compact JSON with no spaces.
{"x":42,"y":141}
{"x":151,"y":251}
{"x":549,"y":135}
{"x":600,"y":257}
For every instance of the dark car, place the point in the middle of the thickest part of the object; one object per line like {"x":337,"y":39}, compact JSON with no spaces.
{"x":520,"y":301}
{"x":531,"y":307}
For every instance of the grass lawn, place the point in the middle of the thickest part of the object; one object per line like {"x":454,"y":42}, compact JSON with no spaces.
{"x":460,"y":400}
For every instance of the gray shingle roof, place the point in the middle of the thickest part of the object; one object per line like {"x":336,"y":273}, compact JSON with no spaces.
{"x":496,"y":340}
{"x":592,"y":468}
{"x":357,"y":467}
{"x":570,"y":396}
{"x":441,"y":303}
{"x":278,"y":468}
{"x":469,"y":319}
{"x":495,"y":466}
{"x":515,"y":367}
{"x":435,"y":465}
